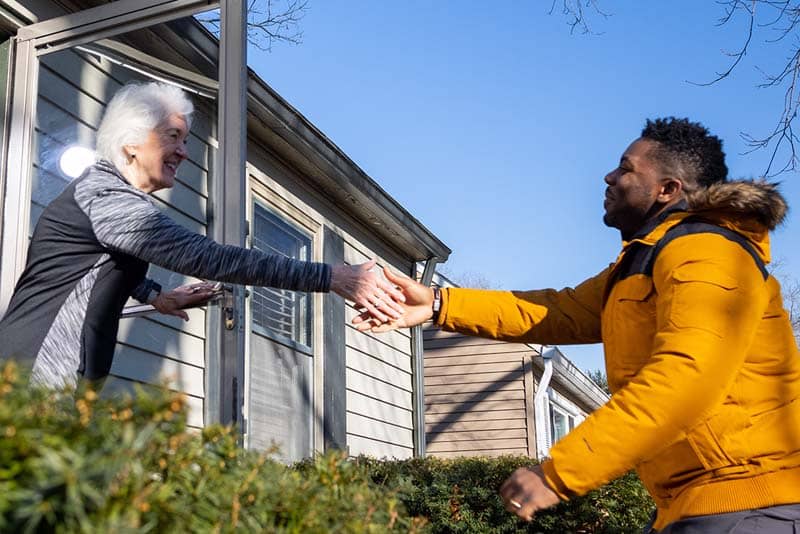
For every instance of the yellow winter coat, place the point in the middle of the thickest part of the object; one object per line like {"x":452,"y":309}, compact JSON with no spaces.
{"x":700,"y":357}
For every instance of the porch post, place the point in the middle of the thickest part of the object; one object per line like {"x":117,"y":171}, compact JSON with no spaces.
{"x":229,"y":224}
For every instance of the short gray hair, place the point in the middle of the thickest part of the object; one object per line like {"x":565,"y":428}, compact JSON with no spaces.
{"x":135,"y":111}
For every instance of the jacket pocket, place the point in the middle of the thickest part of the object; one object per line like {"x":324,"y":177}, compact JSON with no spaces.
{"x":708,"y":449}
{"x":695,"y":285}
{"x":629,"y":323}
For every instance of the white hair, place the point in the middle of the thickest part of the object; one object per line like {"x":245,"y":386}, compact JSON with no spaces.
{"x":135,"y":111}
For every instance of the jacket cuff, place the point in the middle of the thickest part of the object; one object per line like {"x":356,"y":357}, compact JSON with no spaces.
{"x":440,"y":319}
{"x":554,"y":481}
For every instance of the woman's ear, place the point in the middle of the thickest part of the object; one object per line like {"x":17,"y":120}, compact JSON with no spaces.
{"x":130,"y":153}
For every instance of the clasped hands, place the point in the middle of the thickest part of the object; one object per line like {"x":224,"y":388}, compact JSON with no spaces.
{"x":526,"y":490}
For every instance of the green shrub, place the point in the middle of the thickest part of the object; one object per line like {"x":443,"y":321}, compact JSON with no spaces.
{"x":77,"y":463}
{"x":73,"y":462}
{"x":461,"y":496}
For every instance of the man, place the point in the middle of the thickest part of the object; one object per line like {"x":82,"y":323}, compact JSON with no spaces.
{"x":700,"y":357}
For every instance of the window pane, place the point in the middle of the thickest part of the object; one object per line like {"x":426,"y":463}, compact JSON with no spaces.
{"x":280,"y":312}
{"x":558,"y":423}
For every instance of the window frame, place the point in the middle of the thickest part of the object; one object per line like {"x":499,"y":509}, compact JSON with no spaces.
{"x":292,"y":228}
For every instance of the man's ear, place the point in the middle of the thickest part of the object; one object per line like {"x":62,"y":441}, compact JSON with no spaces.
{"x":671,"y":189}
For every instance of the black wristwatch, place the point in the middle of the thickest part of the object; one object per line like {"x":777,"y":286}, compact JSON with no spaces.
{"x":437,"y":304}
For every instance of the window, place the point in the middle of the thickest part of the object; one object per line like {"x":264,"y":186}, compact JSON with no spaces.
{"x":278,"y":313}
{"x":281,"y":360}
{"x":561,"y":422}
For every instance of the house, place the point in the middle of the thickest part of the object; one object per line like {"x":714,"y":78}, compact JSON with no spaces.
{"x":486,"y":397}
{"x":286,"y":367}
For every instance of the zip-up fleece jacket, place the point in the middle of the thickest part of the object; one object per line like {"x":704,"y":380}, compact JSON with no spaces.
{"x":90,"y":252}
{"x":701,"y":360}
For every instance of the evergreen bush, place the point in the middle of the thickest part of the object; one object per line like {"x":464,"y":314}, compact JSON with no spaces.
{"x":75,"y":462}
{"x":461,"y":496}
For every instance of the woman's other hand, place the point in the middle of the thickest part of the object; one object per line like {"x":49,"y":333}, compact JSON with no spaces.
{"x":188,"y":296}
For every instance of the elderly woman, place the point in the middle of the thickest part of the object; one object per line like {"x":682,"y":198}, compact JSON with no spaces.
{"x":92,"y":245}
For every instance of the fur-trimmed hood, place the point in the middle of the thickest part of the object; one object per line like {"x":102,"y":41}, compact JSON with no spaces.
{"x":743,"y":201}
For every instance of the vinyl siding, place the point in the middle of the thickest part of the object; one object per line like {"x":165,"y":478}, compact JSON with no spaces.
{"x":379,"y":376}
{"x":478,"y":396}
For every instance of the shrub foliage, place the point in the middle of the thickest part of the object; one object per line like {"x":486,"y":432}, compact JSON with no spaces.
{"x":75,"y":462}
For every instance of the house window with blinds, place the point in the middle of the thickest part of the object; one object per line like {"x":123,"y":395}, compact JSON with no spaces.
{"x":278,"y":313}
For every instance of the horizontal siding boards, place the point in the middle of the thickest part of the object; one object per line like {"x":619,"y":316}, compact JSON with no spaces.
{"x":377,"y":449}
{"x":142,"y":333}
{"x":479,"y":435}
{"x":375,"y":389}
{"x":491,"y":424}
{"x":475,"y":396}
{"x":142,"y":366}
{"x":457,"y":417}
{"x":84,"y":72}
{"x":468,"y":350}
{"x":377,"y":430}
{"x":433,"y":362}
{"x":379,"y":383}
{"x":449,"y":398}
{"x":396,"y":338}
{"x":378,"y":369}
{"x":379,"y":410}
{"x":486,"y":406}
{"x":476,"y":387}
{"x":474,"y":377}
{"x":115,"y":385}
{"x":391,"y":355}
{"x":510,"y":368}
{"x":451,"y":446}
{"x":185,"y":200}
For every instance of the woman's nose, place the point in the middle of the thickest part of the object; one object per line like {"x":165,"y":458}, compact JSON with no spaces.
{"x":181,"y":151}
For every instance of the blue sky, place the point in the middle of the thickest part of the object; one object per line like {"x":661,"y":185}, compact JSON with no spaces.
{"x":494,"y":126}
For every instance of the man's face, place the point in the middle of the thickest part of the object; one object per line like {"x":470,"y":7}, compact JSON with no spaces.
{"x":633,"y":189}
{"x":156,"y":160}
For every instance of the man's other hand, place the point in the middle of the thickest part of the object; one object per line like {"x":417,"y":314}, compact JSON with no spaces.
{"x":525,"y":492}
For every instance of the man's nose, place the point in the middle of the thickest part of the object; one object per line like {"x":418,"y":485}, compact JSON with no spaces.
{"x":181,"y":151}
{"x":611,"y":177}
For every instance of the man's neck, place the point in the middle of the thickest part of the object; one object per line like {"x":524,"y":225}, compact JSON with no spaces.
{"x":657,"y":217}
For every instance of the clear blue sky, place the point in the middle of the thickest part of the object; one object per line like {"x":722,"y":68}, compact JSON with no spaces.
{"x":494,"y":126}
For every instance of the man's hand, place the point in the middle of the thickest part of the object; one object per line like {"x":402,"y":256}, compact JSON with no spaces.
{"x":368,"y":290}
{"x":173,"y":302}
{"x":417,"y":306}
{"x":526,"y":492}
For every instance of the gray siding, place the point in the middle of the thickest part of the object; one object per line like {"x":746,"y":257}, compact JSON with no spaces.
{"x":379,"y":384}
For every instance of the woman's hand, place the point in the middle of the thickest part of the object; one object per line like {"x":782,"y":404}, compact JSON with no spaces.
{"x":417,"y":306}
{"x":368,"y":290}
{"x":187,"y":296}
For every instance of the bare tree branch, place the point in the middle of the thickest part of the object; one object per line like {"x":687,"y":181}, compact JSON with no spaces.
{"x":575,"y":11}
{"x":268,"y":22}
{"x":783,"y":18}
{"x":733,"y":6}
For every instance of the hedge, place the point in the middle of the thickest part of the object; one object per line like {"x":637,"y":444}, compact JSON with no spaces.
{"x":76,"y":462}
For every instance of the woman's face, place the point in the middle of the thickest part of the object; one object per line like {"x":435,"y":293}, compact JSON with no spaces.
{"x":154,"y":162}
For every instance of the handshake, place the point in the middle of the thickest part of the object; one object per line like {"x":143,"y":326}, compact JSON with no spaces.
{"x":385,"y":304}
